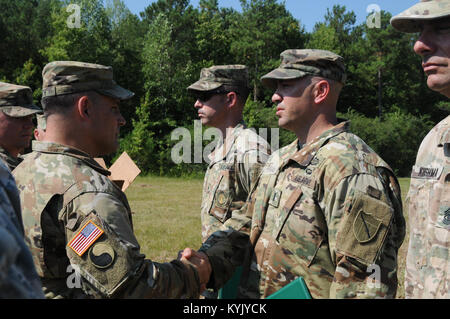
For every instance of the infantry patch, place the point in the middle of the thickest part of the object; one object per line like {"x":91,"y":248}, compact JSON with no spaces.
{"x":366,"y":227}
{"x":427,"y":172}
{"x":85,"y":238}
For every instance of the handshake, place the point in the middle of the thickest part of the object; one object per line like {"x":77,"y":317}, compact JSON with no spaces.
{"x":201,"y":262}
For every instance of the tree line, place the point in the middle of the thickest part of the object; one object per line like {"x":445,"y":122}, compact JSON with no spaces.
{"x":160,"y":52}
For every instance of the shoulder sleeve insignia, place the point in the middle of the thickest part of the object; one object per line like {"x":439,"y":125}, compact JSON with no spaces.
{"x":85,"y":238}
{"x":366,"y":227}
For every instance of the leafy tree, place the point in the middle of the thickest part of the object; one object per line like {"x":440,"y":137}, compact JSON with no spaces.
{"x":263,"y":30}
{"x":25,"y":26}
{"x":89,"y":43}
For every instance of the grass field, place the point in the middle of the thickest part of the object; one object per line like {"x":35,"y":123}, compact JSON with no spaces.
{"x":166,"y":217}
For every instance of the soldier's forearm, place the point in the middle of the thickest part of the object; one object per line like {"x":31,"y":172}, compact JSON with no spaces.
{"x":226,"y":251}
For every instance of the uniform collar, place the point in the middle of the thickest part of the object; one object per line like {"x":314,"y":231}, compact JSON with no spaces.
{"x":55,"y":148}
{"x":307,"y":153}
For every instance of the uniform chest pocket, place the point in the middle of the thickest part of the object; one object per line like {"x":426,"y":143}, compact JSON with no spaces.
{"x":303,"y":229}
{"x":223,"y":197}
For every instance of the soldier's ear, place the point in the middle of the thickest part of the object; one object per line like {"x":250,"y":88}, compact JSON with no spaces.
{"x":84,"y":107}
{"x":321,"y":91}
{"x":232,"y":99}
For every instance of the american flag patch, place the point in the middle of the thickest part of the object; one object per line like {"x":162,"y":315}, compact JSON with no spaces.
{"x":85,"y":238}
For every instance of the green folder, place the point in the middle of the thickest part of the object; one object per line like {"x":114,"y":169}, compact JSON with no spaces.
{"x":230,"y":290}
{"x":295,"y":290}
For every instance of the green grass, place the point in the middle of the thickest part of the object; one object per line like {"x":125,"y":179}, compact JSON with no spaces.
{"x":167,"y":218}
{"x":166,"y":215}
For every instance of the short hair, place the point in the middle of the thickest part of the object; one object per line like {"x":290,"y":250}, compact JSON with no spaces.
{"x":62,"y":103}
{"x":241,"y":91}
{"x":334,"y":85}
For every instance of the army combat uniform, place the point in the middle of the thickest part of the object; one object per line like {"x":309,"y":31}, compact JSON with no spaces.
{"x":78,"y":223}
{"x":329,"y":211}
{"x":236,"y":163}
{"x":427,"y":262}
{"x":231,"y":176}
{"x":18,"y":277}
{"x":15,"y":101}
{"x":9,"y":160}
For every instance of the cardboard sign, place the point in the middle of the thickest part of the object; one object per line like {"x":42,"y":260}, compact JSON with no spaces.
{"x":123,"y":172}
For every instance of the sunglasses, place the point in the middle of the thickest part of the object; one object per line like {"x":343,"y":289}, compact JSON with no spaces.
{"x":206,"y":96}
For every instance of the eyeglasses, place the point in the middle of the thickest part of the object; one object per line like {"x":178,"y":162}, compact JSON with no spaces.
{"x":206,"y":96}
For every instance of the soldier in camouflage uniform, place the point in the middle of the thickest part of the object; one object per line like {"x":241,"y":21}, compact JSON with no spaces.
{"x":237,"y":160}
{"x":77,"y":222}
{"x":18,"y":277}
{"x":16,"y":122}
{"x":427,"y":263}
{"x":326,"y":208}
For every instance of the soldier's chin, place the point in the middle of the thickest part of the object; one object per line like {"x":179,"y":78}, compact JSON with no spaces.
{"x":204,"y":121}
{"x":438,"y":84}
{"x":282,"y":123}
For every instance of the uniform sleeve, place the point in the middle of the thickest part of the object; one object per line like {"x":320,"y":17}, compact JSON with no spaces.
{"x":111,"y":266}
{"x":250,"y":168}
{"x":363,"y":230}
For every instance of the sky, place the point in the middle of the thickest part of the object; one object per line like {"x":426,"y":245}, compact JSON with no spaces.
{"x":308,"y":12}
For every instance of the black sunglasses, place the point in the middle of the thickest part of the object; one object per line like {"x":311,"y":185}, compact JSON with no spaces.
{"x":206,"y":96}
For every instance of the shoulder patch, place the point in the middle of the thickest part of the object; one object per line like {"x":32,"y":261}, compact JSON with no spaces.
{"x":366,"y":227}
{"x":102,"y":255}
{"x":85,"y":238}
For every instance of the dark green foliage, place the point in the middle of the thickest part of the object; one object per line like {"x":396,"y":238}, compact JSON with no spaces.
{"x":160,"y":52}
{"x":396,"y":138}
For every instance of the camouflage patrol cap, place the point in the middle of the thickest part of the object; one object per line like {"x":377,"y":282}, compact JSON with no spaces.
{"x":426,"y":10}
{"x":68,"y":77}
{"x":296,"y":64}
{"x":17,"y":100}
{"x":221,"y":75}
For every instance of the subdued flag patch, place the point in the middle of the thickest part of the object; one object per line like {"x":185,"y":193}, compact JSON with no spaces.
{"x":85,"y":238}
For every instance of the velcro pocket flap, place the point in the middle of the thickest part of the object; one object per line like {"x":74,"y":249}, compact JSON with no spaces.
{"x":364,"y":228}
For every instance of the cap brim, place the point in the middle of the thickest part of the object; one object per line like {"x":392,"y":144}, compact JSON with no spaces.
{"x":117,"y":92}
{"x":410,"y":23}
{"x":21,"y":111}
{"x":270,"y":80}
{"x":204,"y":86}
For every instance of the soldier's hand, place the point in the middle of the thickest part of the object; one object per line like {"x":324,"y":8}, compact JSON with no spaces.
{"x":201,"y":262}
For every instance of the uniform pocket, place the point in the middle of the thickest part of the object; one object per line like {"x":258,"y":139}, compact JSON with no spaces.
{"x":364,"y":228}
{"x":223,"y":197}
{"x":303,"y":230}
